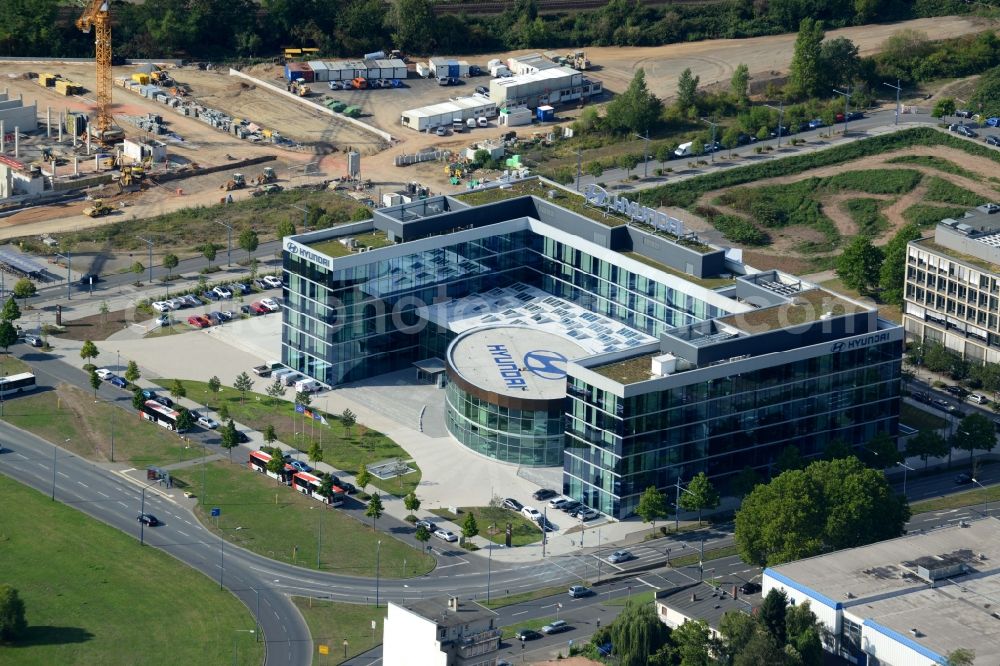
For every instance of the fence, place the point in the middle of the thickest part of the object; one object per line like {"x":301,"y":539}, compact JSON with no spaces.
{"x":426,"y":156}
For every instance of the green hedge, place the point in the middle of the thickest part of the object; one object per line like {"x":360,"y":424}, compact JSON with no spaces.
{"x":939,"y":189}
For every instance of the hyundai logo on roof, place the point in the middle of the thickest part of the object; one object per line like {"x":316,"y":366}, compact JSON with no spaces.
{"x":596,"y":195}
{"x":291,"y":247}
{"x":545,"y":364}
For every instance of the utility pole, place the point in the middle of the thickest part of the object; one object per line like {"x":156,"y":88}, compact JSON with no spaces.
{"x":150,"y":244}
{"x":847,"y":102}
{"x":781,"y":117}
{"x":898,"y":89}
{"x":579,"y":167}
{"x":229,"y":251}
{"x":714,"y":125}
{"x":69,"y":269}
{"x":645,"y":153}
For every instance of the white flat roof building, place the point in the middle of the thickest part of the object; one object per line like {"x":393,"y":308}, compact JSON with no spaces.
{"x":440,"y":632}
{"x":437,"y":115}
{"x":909,"y":601}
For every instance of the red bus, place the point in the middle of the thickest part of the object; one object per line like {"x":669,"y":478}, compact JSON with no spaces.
{"x":157,"y":413}
{"x":258,"y":462}
{"x":309,"y":485}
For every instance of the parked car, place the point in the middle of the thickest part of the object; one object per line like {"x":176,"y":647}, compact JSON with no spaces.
{"x":855,"y":115}
{"x":270,"y":304}
{"x":247,"y":310}
{"x":33,"y":340}
{"x":943,"y":405}
{"x":993,"y":140}
{"x":993,"y":121}
{"x":543,"y":494}
{"x":226,"y":315}
{"x":963,"y":479}
{"x":178,"y":303}
{"x":242,"y":437}
{"x":206,"y":421}
{"x":527,"y":635}
{"x":978,"y":398}
{"x":482,"y":121}
{"x":587,"y":514}
{"x":148,"y":519}
{"x":273,"y":281}
{"x":956,"y":391}
{"x":441,"y":131}
{"x":445,"y":535}
{"x":578,"y":591}
{"x":556,"y":627}
{"x":750,"y":588}
{"x":148,"y":394}
{"x":531,"y":513}
{"x":620,"y":556}
{"x":570,"y":507}
{"x":120,"y":382}
{"x":210,"y":296}
{"x":242,"y":287}
{"x":259,"y":283}
{"x":301,"y":466}
{"x":257,"y":308}
{"x":512,"y":504}
{"x":816,"y":123}
{"x":163,"y":400}
{"x":103,"y":373}
{"x":198,"y":322}
{"x":191,"y":300}
{"x":963,"y":113}
{"x":223,"y":292}
{"x":347,"y":487}
{"x":483,"y":90}
{"x":161,"y":306}
{"x":428,"y":525}
{"x":558,"y":502}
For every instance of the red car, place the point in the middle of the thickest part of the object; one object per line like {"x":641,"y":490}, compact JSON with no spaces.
{"x":196,"y":322}
{"x":258,"y":308}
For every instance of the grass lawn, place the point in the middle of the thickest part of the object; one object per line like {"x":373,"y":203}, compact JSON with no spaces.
{"x":331,"y":623}
{"x":885,"y":310}
{"x":523,"y":531}
{"x":646,"y":597}
{"x":69,"y":413}
{"x":521,"y":597}
{"x":919,"y":419}
{"x":344,"y":450}
{"x":714,"y":554}
{"x":958,"y":500}
{"x":12,"y":365}
{"x":282,"y":524}
{"x":94,"y":596}
{"x":511,"y":631}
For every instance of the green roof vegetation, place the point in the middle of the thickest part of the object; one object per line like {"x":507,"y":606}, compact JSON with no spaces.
{"x":708,"y":283}
{"x":958,"y":256}
{"x":805,"y":307}
{"x":630,"y":371}
{"x":332,"y":247}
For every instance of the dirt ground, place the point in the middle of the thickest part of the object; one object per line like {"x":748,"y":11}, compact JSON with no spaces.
{"x":786,"y":240}
{"x":96,"y":327}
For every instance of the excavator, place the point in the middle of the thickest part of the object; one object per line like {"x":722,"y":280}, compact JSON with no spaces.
{"x":97,"y":16}
{"x":267,"y":177}
{"x":238,"y":182}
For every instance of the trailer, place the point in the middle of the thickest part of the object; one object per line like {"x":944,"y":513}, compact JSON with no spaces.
{"x":446,"y":113}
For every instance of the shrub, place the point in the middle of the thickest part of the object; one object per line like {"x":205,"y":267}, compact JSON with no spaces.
{"x":867,"y":214}
{"x":926,"y":216}
{"x":945,"y":191}
{"x":740,"y":230}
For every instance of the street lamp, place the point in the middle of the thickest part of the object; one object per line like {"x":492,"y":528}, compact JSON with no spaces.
{"x":345,"y":648}
{"x":847,"y":101}
{"x":677,"y":504}
{"x":986,"y":509}
{"x":149,"y":244}
{"x":378,"y":562}
{"x":236,"y":658}
{"x":645,"y":154}
{"x":781,"y":116}
{"x":229,"y":252}
{"x":906,"y":469}
{"x":898,"y":90}
{"x":714,"y":125}
{"x":305,"y":215}
{"x":489,"y":565}
{"x":69,"y":267}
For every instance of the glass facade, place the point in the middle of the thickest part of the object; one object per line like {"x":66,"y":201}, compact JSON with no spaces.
{"x":617,"y":447}
{"x":518,"y":436}
{"x":343,"y":325}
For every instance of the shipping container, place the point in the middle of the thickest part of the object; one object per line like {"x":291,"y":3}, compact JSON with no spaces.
{"x":515,"y":117}
{"x":320,"y":71}
{"x":423,"y":70}
{"x":392,"y":68}
{"x":293,"y":70}
{"x":372,"y":70}
{"x":307,"y":73}
{"x":545,"y":113}
{"x":462,"y":67}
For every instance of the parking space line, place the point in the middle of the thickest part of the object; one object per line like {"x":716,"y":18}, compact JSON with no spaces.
{"x":639,"y":580}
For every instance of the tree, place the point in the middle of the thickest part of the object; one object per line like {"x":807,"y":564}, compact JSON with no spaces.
{"x":413,"y":24}
{"x":959,"y":657}
{"x":209,"y":252}
{"x":224,"y":411}
{"x":740,"y":84}
{"x":270,"y":436}
{"x":326,"y":486}
{"x":276,"y":389}
{"x":628,"y":161}
{"x":229,"y":437}
{"x":836,"y":449}
{"x":24,"y":288}
{"x":636,"y":109}
{"x":10,"y":311}
{"x":185,"y":421}
{"x":423,"y":535}
{"x":138,"y":399}
{"x":927,"y":444}
{"x":315,"y":453}
{"x":249,"y":241}
{"x":860,"y":264}
{"x":803,"y":632}
{"x":132,"y":373}
{"x":595,"y":169}
{"x":789,"y":458}
{"x":763,"y":649}
{"x":363,"y":477}
{"x":276,"y":465}
{"x":892,"y":274}
{"x":805,"y":73}
{"x":88,"y":351}
{"x":986,"y":97}
{"x":693,"y":643}
{"x":745,"y":481}
{"x":839,"y":61}
{"x":737,"y":630}
{"x":731,"y":137}
{"x":772,"y":614}
{"x":375,"y":509}
{"x":883,"y":451}
{"x":411,"y":502}
{"x":636,"y":634}
{"x":95,"y":381}
{"x":170,"y":261}
{"x":943,"y":108}
{"x":687,"y":91}
{"x":177,"y":389}
{"x":243,"y":384}
{"x":302,"y":398}
{"x":470,"y":527}
{"x":285,"y":228}
{"x":138,"y":268}
{"x":652,"y":505}
{"x":348,"y":419}
{"x":831,"y":504}
{"x":8,"y":334}
{"x":701,"y":494}
{"x":12,"y":621}
{"x":975,"y":432}
{"x":214,"y":384}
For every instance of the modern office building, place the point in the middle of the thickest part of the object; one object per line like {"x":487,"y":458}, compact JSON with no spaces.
{"x":910,"y":601}
{"x":440,"y":632}
{"x":952,"y":285}
{"x":604,"y":339}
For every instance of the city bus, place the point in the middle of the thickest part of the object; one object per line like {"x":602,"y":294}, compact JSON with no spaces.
{"x":309,"y":485}
{"x":157,"y":413}
{"x":16,"y":384}
{"x":258,"y":463}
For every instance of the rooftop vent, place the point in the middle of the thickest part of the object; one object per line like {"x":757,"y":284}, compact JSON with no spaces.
{"x":664,"y":364}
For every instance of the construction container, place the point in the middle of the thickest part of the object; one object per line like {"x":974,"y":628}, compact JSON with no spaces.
{"x":423,"y":70}
{"x":47,"y":80}
{"x":515,"y":117}
{"x":298,"y":70}
{"x":141,"y":78}
{"x":392,"y":68}
{"x":373,"y":71}
{"x":445,"y":113}
{"x":320,"y":71}
{"x":444,"y":67}
{"x":376,"y":55}
{"x":545,"y":113}
{"x":463,"y":68}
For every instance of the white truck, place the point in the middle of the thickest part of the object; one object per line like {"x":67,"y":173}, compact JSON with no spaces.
{"x":683,"y":150}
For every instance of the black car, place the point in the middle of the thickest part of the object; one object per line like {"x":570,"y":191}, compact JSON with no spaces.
{"x":428,"y":525}
{"x":855,"y":115}
{"x":347,"y":487}
{"x":148,"y":519}
{"x":242,"y":437}
{"x":527,"y":635}
{"x":993,"y":140}
{"x":749,"y":588}
{"x":963,"y":479}
{"x":482,"y":90}
{"x":512,"y":504}
{"x":920,"y":396}
{"x":89,"y":278}
{"x":956,"y":391}
{"x":163,"y":400}
{"x":544,"y":494}
{"x":570,"y":507}
{"x":242,"y":287}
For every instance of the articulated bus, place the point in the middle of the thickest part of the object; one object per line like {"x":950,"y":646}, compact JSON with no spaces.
{"x":16,"y":383}
{"x":258,"y":462}
{"x":157,"y":413}
{"x":309,"y":485}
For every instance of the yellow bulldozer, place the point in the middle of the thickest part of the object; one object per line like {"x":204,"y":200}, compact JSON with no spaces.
{"x":98,"y":209}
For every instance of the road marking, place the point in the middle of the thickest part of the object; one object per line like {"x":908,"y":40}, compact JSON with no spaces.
{"x":103,"y":495}
{"x":123,"y":504}
{"x":130,"y":469}
{"x":83,"y":484}
{"x":518,"y":613}
{"x":445,"y":566}
{"x":639,"y":580}
{"x":182,"y":533}
{"x":550,"y":606}
{"x":65,"y":476}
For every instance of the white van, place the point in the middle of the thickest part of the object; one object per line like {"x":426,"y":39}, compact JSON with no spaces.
{"x":290,"y":379}
{"x":280,"y":373}
{"x":471,"y":123}
{"x":683,"y":150}
{"x":978,"y":398}
{"x":307,"y":386}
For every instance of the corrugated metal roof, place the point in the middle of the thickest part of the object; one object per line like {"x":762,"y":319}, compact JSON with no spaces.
{"x":457,"y":104}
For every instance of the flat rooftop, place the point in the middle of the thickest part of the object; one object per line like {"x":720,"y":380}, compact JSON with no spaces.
{"x":880,"y":582}
{"x":342,"y":246}
{"x":630,"y":371}
{"x":700,"y":601}
{"x":523,"y":305}
{"x":437,"y":610}
{"x":517,"y":361}
{"x":805,"y":307}
{"x":929,"y":244}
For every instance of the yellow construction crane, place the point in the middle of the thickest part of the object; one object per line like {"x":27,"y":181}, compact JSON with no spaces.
{"x":97,"y":16}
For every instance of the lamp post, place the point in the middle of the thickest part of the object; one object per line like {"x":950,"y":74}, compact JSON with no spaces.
{"x":345,"y":648}
{"x":898,"y":90}
{"x":781,"y":117}
{"x":69,"y":267}
{"x":714,"y":125}
{"x":986,"y":509}
{"x":229,"y":251}
{"x":55,"y":449}
{"x":847,"y":102}
{"x":236,"y":657}
{"x":142,"y":510}
{"x":489,"y":566}
{"x":677,"y":505}
{"x":906,"y":470}
{"x":645,"y":154}
{"x":378,"y":562}
{"x":305,"y":215}
{"x":149,"y":245}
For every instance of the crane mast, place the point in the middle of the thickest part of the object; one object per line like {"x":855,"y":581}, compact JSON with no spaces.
{"x":97,"y":16}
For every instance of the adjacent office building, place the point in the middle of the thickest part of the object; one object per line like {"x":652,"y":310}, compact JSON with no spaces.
{"x":952,"y":285}
{"x":605,"y":339}
{"x":910,"y":601}
{"x":440,"y":632}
